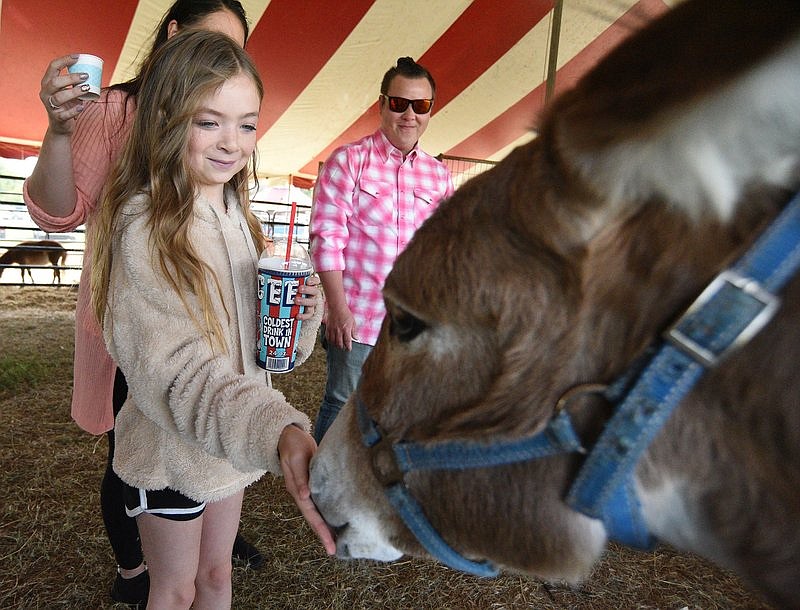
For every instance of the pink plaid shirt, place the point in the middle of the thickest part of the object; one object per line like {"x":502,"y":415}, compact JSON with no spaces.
{"x":368,"y":202}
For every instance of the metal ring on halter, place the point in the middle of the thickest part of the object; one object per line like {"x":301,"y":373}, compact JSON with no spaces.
{"x":52,"y":105}
{"x":579,"y":390}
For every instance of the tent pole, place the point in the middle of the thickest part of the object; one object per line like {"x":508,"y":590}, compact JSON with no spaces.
{"x":552,"y":59}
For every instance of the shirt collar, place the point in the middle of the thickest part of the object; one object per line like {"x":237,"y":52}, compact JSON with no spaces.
{"x":387,"y":150}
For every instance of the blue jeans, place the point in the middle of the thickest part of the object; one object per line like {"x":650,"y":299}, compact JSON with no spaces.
{"x":344,"y":371}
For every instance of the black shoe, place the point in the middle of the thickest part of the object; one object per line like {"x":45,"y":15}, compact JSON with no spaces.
{"x":246,"y":553}
{"x":131,"y":591}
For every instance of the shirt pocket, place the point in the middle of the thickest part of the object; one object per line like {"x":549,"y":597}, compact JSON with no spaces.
{"x":374,"y":204}
{"x":424,"y":204}
{"x":423,"y":196}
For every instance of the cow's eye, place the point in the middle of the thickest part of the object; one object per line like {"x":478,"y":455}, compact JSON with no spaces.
{"x":404,"y":326}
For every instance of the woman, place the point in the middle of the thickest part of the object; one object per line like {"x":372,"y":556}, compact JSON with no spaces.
{"x":174,"y":283}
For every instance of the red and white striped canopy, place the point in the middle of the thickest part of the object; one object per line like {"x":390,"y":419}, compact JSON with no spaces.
{"x":322,"y":63}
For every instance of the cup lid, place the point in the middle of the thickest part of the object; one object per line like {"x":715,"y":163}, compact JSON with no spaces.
{"x":278,"y":247}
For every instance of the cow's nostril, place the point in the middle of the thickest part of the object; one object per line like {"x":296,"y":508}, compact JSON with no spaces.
{"x":338,"y":529}
{"x":343,"y":551}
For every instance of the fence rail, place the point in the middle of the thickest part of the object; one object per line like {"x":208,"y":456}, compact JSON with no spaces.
{"x":16,"y":226}
{"x":464,"y":168}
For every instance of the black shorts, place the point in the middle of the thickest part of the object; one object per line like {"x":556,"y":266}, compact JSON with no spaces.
{"x":166,"y":503}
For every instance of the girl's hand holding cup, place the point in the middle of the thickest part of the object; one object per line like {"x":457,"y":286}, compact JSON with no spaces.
{"x":310,"y":297}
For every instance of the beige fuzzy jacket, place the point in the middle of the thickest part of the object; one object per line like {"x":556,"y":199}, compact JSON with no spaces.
{"x":202,"y":423}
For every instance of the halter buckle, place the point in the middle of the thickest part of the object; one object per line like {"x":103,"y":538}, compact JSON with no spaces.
{"x":691,"y":331}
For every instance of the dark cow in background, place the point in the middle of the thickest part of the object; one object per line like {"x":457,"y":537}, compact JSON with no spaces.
{"x":27,"y":253}
{"x":658,"y":170}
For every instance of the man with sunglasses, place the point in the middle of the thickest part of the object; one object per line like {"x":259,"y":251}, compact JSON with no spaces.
{"x":370,"y":197}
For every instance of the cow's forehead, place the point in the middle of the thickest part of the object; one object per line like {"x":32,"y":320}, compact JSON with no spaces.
{"x":480,"y":266}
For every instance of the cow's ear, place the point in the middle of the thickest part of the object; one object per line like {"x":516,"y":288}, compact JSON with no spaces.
{"x":692,"y":120}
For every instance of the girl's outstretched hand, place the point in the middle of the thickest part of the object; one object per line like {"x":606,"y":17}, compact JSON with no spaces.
{"x":296,"y":448}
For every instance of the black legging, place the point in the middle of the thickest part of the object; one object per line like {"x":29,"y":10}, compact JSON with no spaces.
{"x":121,"y":529}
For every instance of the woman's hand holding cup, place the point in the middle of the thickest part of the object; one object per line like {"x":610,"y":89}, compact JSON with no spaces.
{"x":59,"y":94}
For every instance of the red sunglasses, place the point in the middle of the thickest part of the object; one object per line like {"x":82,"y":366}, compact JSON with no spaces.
{"x":399,"y":104}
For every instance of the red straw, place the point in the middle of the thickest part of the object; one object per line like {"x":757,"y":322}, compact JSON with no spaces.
{"x":291,"y":234}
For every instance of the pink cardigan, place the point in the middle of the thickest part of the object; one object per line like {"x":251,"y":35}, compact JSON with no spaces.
{"x":99,"y":136}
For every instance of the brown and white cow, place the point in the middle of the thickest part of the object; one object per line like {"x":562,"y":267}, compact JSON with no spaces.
{"x":558,"y":268}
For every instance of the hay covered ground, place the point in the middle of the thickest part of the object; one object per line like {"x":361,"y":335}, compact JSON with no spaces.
{"x":54,"y":554}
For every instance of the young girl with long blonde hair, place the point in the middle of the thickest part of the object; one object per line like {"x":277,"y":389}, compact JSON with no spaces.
{"x":82,"y":143}
{"x":174,"y":285}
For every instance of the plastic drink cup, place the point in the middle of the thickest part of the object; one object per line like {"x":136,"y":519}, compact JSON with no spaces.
{"x":93,"y":66}
{"x":279,"y":282}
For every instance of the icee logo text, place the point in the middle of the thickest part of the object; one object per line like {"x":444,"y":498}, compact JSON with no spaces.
{"x":279,"y":292}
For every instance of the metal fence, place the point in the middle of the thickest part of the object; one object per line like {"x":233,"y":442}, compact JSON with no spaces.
{"x":464,"y":168}
{"x":23,"y":263}
{"x":17,"y":227}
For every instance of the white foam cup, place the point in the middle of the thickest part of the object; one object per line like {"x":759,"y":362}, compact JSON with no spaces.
{"x":93,"y":66}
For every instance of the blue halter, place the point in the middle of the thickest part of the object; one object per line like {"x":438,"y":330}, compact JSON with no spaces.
{"x":728,"y":313}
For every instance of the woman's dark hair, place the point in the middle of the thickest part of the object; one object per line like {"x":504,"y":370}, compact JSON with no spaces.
{"x":410,"y":69}
{"x":187,"y":13}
